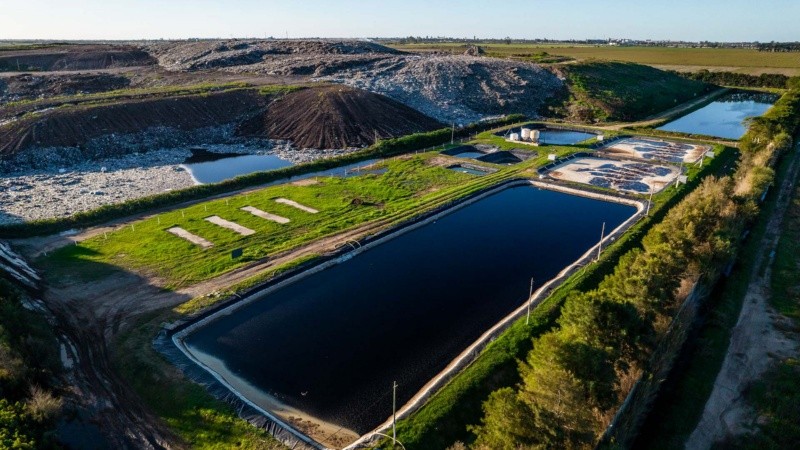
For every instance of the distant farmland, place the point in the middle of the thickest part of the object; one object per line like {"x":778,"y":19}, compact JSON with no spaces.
{"x":729,"y":59}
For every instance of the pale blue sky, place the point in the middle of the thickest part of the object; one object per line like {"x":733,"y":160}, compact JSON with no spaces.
{"x":717,"y":20}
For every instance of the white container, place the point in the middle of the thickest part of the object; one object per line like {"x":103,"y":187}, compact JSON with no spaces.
{"x":535,"y":135}
{"x":514,"y":137}
{"x":526,"y":134}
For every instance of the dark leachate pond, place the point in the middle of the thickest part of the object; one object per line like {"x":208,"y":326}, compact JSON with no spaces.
{"x":722,"y":118}
{"x":332,"y":344}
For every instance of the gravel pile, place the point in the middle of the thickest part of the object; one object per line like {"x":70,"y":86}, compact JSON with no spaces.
{"x":461,"y":88}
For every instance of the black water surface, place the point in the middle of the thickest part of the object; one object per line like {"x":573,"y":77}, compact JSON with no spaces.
{"x":333,"y":343}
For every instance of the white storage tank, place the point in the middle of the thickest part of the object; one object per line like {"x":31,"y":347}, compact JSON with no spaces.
{"x":526,"y":134}
{"x":535,"y":135}
{"x":514,"y":136}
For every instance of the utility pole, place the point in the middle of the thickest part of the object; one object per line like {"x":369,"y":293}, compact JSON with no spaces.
{"x":600,"y":244}
{"x":530,"y":295}
{"x":649,"y":201}
{"x":394,"y":414}
{"x":453,"y":134}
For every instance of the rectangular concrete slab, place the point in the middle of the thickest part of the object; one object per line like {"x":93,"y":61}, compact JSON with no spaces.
{"x":265,"y":215}
{"x":293,"y":203}
{"x":193,"y":238}
{"x":233,"y":226}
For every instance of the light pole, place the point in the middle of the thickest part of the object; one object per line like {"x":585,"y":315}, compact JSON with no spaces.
{"x":530,"y":295}
{"x":649,"y":202}
{"x":394,"y":414}
{"x":600,"y":244}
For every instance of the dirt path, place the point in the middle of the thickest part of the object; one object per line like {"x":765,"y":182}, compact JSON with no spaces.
{"x":756,"y":341}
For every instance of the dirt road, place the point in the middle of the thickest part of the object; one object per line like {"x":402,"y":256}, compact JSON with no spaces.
{"x":756,"y":341}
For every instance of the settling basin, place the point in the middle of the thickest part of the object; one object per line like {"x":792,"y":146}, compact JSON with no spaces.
{"x":331,"y":344}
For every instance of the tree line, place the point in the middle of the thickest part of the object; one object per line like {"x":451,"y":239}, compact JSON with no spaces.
{"x":577,"y":375}
{"x":768,"y":80}
{"x":29,"y":363}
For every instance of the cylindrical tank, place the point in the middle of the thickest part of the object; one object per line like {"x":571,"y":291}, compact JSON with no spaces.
{"x":535,"y":135}
{"x":514,"y":136}
{"x":526,"y":134}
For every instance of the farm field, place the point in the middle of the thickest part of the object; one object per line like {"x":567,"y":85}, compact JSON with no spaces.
{"x":684,"y":59}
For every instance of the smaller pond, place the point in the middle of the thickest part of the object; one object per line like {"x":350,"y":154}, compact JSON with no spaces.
{"x":473,"y":155}
{"x":724,"y":117}
{"x":469,"y":170}
{"x":213,"y":169}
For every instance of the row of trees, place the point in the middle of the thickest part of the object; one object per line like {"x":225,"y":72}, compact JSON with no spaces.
{"x":768,"y":80}
{"x":577,"y":375}
{"x":28,"y":363}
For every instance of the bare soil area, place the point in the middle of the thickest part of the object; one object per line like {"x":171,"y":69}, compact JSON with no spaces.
{"x":336,"y":117}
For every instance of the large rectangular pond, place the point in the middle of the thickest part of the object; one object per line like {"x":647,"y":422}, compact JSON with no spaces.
{"x":331,"y":344}
{"x":723,"y":118}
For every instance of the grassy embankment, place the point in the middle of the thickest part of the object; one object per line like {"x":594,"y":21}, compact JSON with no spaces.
{"x":612,"y":91}
{"x":343,"y":203}
{"x":443,"y":419}
{"x":731,"y":59}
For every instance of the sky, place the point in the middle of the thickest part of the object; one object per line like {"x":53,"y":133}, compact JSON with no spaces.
{"x":695,"y":20}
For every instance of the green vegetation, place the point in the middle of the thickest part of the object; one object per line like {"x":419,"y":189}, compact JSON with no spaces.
{"x":343,"y":204}
{"x":28,"y":363}
{"x":384,"y":148}
{"x":768,"y":80}
{"x":740,"y":60}
{"x":624,"y":91}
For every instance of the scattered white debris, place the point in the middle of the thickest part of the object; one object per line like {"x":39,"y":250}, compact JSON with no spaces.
{"x":293,"y":203}
{"x":265,"y":215}
{"x":193,"y":238}
{"x":17,"y":267}
{"x":233,"y":226}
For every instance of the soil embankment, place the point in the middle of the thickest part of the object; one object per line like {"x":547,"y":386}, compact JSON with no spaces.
{"x":76,"y":126}
{"x":336,"y":117}
{"x":73,"y":57}
{"x":31,"y":85}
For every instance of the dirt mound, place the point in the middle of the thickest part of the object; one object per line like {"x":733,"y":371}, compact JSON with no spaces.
{"x":336,"y":117}
{"x":73,"y":57}
{"x":474,"y":50}
{"x":215,"y":54}
{"x":76,"y":125}
{"x":30,"y":86}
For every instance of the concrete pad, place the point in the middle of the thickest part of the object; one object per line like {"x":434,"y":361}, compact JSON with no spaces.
{"x":293,"y":203}
{"x":656,"y":149}
{"x":629,"y":176}
{"x":233,"y":226}
{"x":265,"y":215}
{"x":193,"y":238}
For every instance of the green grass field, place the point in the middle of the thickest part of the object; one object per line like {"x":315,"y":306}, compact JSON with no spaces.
{"x":738,"y":60}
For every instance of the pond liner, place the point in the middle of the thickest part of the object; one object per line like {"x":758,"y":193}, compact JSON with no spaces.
{"x":169,"y":340}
